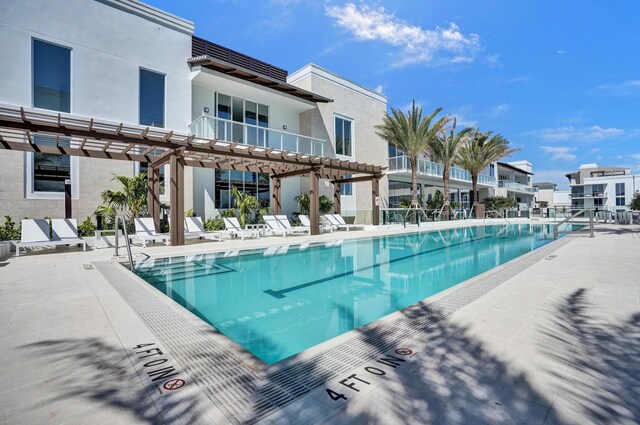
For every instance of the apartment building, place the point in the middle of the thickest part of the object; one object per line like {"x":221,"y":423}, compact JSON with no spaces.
{"x":429,"y":174}
{"x":514,"y":181}
{"x":602,"y":188}
{"x":547,"y":193}
{"x":127,"y":62}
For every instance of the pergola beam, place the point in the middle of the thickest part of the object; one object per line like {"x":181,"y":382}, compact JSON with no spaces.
{"x":295,"y":173}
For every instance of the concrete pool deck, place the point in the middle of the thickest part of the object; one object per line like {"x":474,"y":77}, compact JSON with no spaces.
{"x":556,"y":342}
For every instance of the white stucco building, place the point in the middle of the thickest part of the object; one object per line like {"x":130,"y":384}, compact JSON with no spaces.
{"x":128,"y":62}
{"x":602,"y":188}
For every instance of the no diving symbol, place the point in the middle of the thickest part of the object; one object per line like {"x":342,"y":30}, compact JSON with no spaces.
{"x":173,"y":384}
{"x":403,"y":351}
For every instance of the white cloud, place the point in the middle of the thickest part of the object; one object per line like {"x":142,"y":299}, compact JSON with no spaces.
{"x":626,"y":88}
{"x":594,"y":133}
{"x":519,"y":79}
{"x":379,"y":88}
{"x":561,"y":52}
{"x":499,"y":109}
{"x":560,"y":152}
{"x":417,"y":45}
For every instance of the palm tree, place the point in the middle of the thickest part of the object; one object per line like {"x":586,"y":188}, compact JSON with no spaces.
{"x":245,"y":204}
{"x":412,"y":134}
{"x":444,"y":149}
{"x":478,"y":153}
{"x":130,"y":200}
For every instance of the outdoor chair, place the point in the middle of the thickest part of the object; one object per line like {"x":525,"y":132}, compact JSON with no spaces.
{"x":338,"y":221}
{"x":194,"y":229}
{"x":146,"y":232}
{"x":275,"y":227}
{"x":306,"y":222}
{"x":284,"y":222}
{"x":35,"y":233}
{"x":232,"y":226}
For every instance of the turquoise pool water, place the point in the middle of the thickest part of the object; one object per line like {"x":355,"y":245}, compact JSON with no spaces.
{"x":280,"y":301}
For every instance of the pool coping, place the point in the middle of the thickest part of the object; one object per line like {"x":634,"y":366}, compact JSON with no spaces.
{"x":259,"y":370}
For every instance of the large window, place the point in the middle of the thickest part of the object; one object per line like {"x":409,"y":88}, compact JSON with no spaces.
{"x":620,"y":194}
{"x":51,"y":76}
{"x":46,"y":173}
{"x":50,"y":171}
{"x":255,"y":184}
{"x":394,"y":151}
{"x":242,"y":111}
{"x":344,"y":137}
{"x":151,"y":98}
{"x":346,"y":189}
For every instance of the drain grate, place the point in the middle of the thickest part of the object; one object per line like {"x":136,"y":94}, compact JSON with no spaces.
{"x":247,"y":396}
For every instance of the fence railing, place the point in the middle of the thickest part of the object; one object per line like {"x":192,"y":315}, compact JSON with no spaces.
{"x":508,"y":184}
{"x":430,"y":168}
{"x":210,"y":127}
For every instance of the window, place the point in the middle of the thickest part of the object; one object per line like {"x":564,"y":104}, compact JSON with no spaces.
{"x":51,"y":76}
{"x":46,"y":173}
{"x":50,"y":171}
{"x":394,"y":151}
{"x":343,"y":137}
{"x":254,"y":184}
{"x":492,"y":170}
{"x":620,"y":194}
{"x":242,"y":111}
{"x":151,"y":98}
{"x":346,"y":189}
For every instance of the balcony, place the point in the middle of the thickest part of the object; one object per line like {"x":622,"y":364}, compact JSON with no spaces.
{"x":430,"y":168}
{"x":511,"y":185}
{"x":209,"y":127}
{"x":579,"y":195}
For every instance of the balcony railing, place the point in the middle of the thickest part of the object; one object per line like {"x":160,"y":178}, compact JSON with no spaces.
{"x":430,"y":168}
{"x":588,"y":195}
{"x":209,"y":127}
{"x":508,"y":184}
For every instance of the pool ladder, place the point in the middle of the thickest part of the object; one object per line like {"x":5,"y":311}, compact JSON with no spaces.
{"x":591,"y":223}
{"x":126,"y":239}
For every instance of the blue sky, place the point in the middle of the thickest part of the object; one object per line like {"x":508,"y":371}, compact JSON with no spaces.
{"x":560,"y":80}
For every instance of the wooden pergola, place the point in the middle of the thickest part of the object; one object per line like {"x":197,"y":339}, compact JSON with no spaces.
{"x":31,"y":130}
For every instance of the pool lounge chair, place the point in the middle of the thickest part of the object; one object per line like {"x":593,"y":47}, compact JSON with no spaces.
{"x":306,"y":222}
{"x":146,"y":231}
{"x":338,"y":221}
{"x":284,"y":222}
{"x":233,"y":228}
{"x":35,"y":233}
{"x":277,"y":228}
{"x":194,"y":229}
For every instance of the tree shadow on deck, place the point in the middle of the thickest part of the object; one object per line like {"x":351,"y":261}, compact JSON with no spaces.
{"x":101,"y":373}
{"x":602,"y":381}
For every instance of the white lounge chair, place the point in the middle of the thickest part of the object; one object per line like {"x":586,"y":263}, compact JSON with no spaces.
{"x":146,"y":231}
{"x":337,"y":220}
{"x":194,"y":229}
{"x":277,"y":228}
{"x":306,"y":222}
{"x":233,"y":228}
{"x":35,"y":233}
{"x":284,"y":222}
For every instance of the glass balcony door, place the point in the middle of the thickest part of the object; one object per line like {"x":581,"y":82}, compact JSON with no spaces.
{"x":240,"y":111}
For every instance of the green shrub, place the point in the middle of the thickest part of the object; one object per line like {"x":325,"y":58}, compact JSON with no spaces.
{"x":86,"y":228}
{"x":229,"y":213}
{"x":635,"y":202}
{"x":9,"y":231}
{"x":214,"y":224}
{"x":498,"y":203}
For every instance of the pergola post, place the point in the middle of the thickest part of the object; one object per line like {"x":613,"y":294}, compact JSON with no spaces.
{"x":314,"y":202}
{"x":336,"y":198}
{"x":277,"y":195}
{"x":375,"y":202}
{"x":153,"y":195}
{"x":176,"y":197}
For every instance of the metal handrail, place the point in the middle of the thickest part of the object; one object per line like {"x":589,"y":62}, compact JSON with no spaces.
{"x":499,"y":215}
{"x":126,"y":239}
{"x":591,"y":223}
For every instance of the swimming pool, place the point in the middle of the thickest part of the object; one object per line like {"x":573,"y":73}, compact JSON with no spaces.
{"x":279,"y":301}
